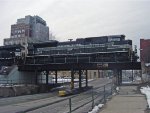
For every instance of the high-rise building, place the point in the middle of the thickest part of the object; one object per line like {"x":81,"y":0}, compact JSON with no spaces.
{"x":28,"y":30}
{"x":37,"y":28}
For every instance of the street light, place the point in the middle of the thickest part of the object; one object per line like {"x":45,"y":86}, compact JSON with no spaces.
{"x":70,"y":40}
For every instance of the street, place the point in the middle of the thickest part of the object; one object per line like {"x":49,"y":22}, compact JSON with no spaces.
{"x":31,"y":102}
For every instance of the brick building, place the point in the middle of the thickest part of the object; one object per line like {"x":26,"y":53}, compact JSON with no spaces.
{"x":145,"y":55}
{"x":28,"y":30}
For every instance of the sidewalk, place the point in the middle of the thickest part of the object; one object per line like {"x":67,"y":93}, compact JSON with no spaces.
{"x":127,"y":101}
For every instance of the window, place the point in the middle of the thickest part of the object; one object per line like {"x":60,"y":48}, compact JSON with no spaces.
{"x":19,"y":31}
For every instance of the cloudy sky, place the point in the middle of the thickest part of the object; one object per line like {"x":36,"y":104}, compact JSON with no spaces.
{"x":81,"y":18}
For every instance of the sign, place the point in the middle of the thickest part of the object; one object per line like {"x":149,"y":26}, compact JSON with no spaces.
{"x":102,"y":65}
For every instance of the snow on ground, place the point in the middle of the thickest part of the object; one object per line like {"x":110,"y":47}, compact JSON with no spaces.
{"x":127,"y":82}
{"x":138,"y":78}
{"x":146,"y":91}
{"x":90,"y":79}
{"x":96,"y":108}
{"x":59,"y":80}
{"x":117,"y":89}
{"x":63,"y":80}
{"x":145,"y":77}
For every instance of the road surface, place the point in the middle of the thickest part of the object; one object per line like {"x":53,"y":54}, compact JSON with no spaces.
{"x":30,"y":102}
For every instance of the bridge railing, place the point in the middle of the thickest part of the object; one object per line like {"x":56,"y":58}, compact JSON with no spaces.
{"x":74,"y":59}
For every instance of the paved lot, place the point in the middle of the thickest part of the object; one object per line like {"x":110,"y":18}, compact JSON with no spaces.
{"x":127,"y":101}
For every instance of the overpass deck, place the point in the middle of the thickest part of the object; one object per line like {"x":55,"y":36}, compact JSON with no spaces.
{"x":81,"y":66}
{"x":80,"y":63}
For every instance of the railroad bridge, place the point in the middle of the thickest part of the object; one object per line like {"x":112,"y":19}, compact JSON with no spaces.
{"x":92,"y":53}
{"x":45,"y":63}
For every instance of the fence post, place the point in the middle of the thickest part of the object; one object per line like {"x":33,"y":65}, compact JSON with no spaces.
{"x":11,"y":83}
{"x":92,"y":99}
{"x":111,"y":88}
{"x":104,"y":95}
{"x":69,"y":105}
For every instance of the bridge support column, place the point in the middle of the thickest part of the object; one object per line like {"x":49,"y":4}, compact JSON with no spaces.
{"x":80,"y":82}
{"x":86,"y":77}
{"x":98,"y":73}
{"x":56,"y":77}
{"x":47,"y":73}
{"x":117,"y":77}
{"x":72,"y":79}
{"x":132,"y":75}
{"x":36,"y":77}
{"x":120,"y":77}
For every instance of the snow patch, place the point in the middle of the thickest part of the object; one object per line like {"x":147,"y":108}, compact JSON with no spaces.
{"x":117,"y":89}
{"x":64,"y":80}
{"x":147,"y":64}
{"x":127,"y":82}
{"x":114,"y":94}
{"x":146,"y":91}
{"x":96,"y":108}
{"x":138,"y":78}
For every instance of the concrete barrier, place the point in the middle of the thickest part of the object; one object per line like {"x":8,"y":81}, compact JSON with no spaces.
{"x":8,"y":91}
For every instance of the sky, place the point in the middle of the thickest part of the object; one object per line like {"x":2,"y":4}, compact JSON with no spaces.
{"x":81,"y":18}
